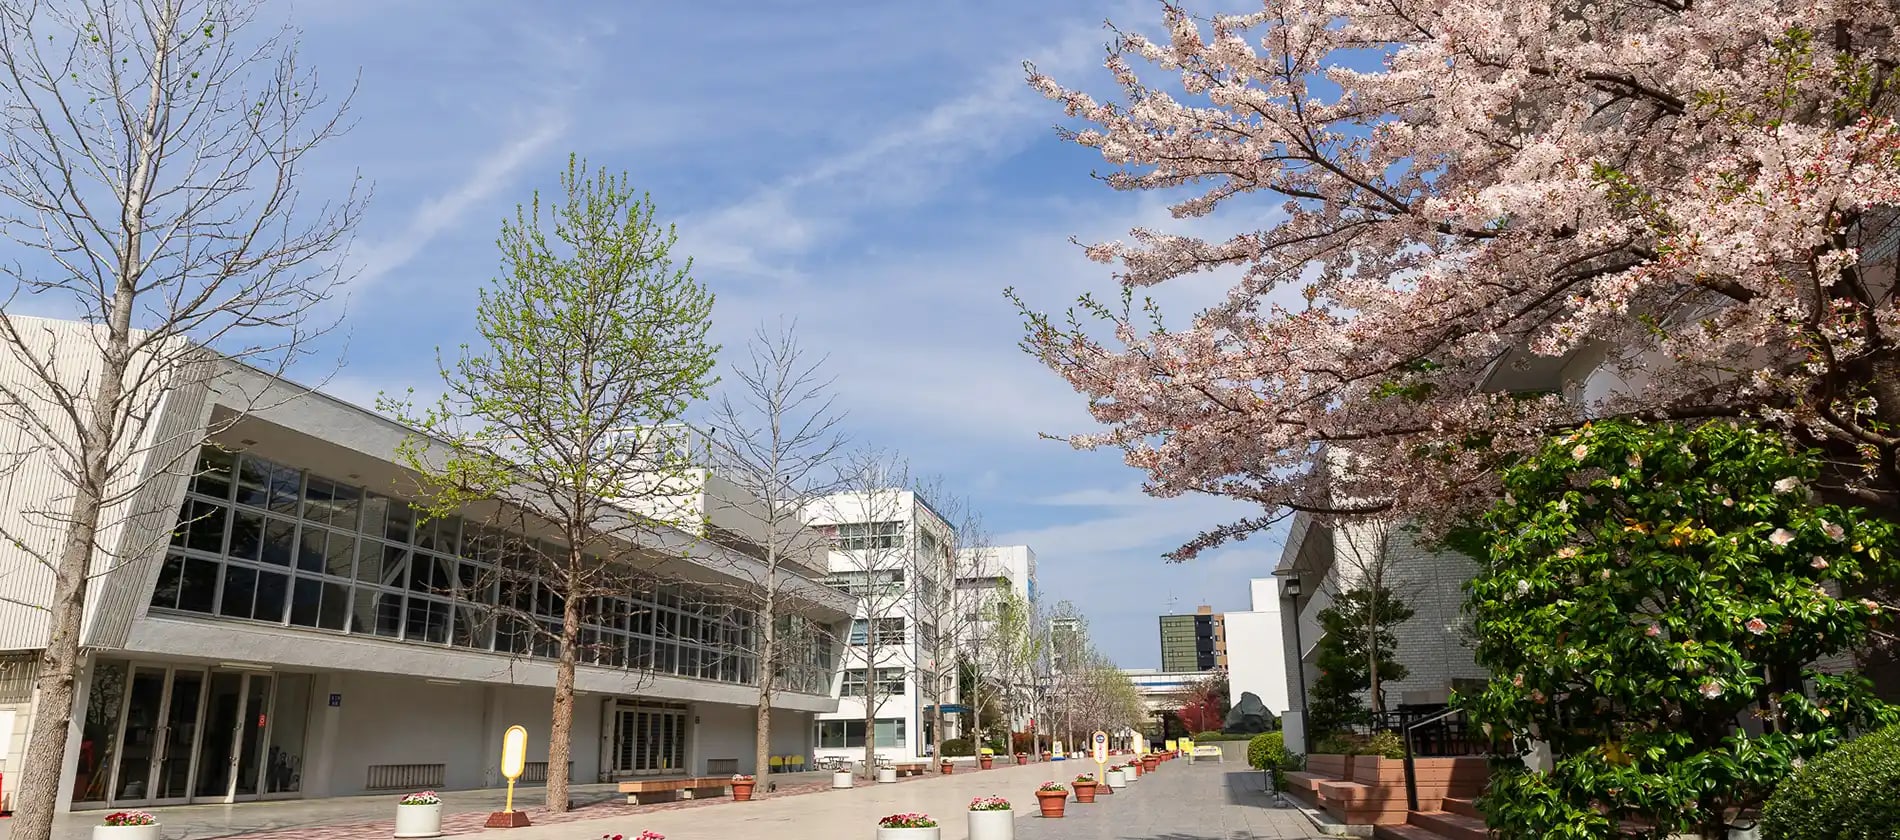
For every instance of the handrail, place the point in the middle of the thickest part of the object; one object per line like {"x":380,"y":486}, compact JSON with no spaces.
{"x":1411,"y":779}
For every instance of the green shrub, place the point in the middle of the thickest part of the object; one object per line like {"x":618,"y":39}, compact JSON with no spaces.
{"x":1340,"y":743}
{"x":1847,"y":794}
{"x":1267,"y":751}
{"x":1384,"y":744}
{"x":1214,"y":737}
{"x":957,"y":747}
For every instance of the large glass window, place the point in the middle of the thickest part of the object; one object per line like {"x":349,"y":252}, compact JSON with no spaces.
{"x":260,"y":541}
{"x":857,"y":536}
{"x":890,"y":682}
{"x":844,"y":734}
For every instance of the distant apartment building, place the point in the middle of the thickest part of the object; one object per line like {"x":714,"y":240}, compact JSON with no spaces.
{"x":983,"y":576}
{"x":1196,"y":642}
{"x":890,"y":550}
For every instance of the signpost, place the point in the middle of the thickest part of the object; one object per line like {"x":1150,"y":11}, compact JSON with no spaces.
{"x":514,"y":758}
{"x":1098,"y":749}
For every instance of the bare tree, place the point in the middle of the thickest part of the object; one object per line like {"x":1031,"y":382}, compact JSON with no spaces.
{"x":776,"y":439}
{"x":872,"y":533}
{"x":1006,"y":649}
{"x":1369,"y":573}
{"x":596,"y":345}
{"x":153,"y":154}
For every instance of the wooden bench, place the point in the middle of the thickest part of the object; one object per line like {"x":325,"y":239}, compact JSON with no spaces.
{"x":914,"y":768}
{"x":649,"y":791}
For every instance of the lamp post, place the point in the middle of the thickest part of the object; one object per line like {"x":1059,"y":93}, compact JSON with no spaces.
{"x":1292,"y":590}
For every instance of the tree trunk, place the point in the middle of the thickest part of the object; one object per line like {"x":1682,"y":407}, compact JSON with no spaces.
{"x":46,"y":741}
{"x":768,"y":682}
{"x":561,"y":723}
{"x":870,"y":700}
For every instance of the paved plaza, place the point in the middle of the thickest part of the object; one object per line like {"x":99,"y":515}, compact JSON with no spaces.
{"x":1181,"y":802}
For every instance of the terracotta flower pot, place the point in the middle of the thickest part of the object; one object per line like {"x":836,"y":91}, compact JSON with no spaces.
{"x":986,"y":761}
{"x":1148,"y":764}
{"x":1084,"y":791}
{"x":742,"y":791}
{"x":946,"y":767}
{"x":1052,"y":802}
{"x":1022,"y":758}
{"x":1045,"y":755}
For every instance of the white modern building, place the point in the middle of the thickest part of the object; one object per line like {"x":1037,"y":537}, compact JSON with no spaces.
{"x":283,"y":624}
{"x":1256,"y":657}
{"x":983,"y":574}
{"x":890,"y":551}
{"x":1322,"y":560}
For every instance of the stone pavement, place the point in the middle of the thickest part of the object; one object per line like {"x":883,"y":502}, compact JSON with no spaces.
{"x":1206,"y":801}
{"x":1180,"y":802}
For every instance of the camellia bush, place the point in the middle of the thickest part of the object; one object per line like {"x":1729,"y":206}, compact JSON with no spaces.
{"x":1642,"y":589}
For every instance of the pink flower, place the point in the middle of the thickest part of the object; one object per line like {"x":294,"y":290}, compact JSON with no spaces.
{"x":1711,"y":689}
{"x":1781,"y":536}
{"x":1579,"y":452}
{"x":1756,"y":626}
{"x":1787,"y":485}
{"x":1652,"y":631}
{"x":1818,"y":562}
{"x":1834,"y":532}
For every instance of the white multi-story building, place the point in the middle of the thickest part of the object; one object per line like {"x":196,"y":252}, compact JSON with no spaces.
{"x":296,"y":629}
{"x":983,"y":574}
{"x":1256,"y":658}
{"x":890,"y":550}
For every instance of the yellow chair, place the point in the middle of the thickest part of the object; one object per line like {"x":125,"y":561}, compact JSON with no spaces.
{"x":777,"y":763}
{"x":798,"y":763}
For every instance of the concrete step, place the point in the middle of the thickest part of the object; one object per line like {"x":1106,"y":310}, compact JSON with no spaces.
{"x":1449,"y":825}
{"x":1404,"y":832}
{"x":1466,"y":807}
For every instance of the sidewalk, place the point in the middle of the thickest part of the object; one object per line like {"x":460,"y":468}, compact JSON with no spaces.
{"x":1207,"y":801}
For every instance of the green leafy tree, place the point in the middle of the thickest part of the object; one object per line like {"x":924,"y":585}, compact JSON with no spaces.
{"x":567,"y":419}
{"x":1356,"y":657}
{"x":1641,"y":590}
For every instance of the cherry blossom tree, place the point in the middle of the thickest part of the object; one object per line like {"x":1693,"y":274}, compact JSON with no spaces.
{"x":1455,"y":211}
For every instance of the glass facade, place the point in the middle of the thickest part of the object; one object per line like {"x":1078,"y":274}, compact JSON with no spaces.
{"x":836,"y":734}
{"x":265,"y":542}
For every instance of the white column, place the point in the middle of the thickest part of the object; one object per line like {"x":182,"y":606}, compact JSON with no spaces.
{"x":493,"y":726}
{"x":320,"y":770}
{"x":75,"y":734}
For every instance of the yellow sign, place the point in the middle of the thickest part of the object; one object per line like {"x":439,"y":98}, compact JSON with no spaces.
{"x":514,"y":752}
{"x":1168,"y":745}
{"x":514,"y":758}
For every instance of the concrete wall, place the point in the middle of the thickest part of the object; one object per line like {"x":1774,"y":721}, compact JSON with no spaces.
{"x":390,"y":720}
{"x":1256,"y":660}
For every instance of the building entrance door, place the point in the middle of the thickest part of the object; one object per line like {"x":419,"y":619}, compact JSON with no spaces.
{"x":231,"y":754}
{"x":649,"y":741}
{"x":159,"y":736}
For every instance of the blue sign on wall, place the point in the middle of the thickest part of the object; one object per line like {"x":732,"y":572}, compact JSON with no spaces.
{"x":336,"y":699}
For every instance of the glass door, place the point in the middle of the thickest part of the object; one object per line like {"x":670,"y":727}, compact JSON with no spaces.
{"x":230,"y":755}
{"x":159,"y":736}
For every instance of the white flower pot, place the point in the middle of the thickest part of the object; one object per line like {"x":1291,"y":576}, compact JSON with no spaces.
{"x":992,"y":825}
{"x":1116,"y":779}
{"x":840,"y":779}
{"x":931,"y":833}
{"x":886,"y":775}
{"x":125,"y":832}
{"x":419,"y":820}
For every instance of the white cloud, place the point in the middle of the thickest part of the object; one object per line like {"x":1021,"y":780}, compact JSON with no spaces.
{"x":485,"y":178}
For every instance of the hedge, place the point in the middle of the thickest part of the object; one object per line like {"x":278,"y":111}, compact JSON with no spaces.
{"x":1846,"y":794}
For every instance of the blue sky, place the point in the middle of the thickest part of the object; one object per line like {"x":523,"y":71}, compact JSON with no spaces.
{"x":878,"y":171}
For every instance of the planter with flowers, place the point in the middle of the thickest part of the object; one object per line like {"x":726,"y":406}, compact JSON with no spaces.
{"x":841,"y":779}
{"x":644,"y":835}
{"x":1084,"y":788}
{"x":1116,"y":777}
{"x":992,"y":819}
{"x":742,"y":786}
{"x":1148,"y":763}
{"x":1052,"y":797}
{"x":1022,"y":758}
{"x":946,"y":767}
{"x":986,"y":759}
{"x":908,"y":827}
{"x":127,"y":825}
{"x":419,"y":815}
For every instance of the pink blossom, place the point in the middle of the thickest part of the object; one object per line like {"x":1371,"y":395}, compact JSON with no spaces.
{"x":1756,"y":626}
{"x":1787,"y":485}
{"x":1834,"y":532}
{"x":1652,"y":631}
{"x":1781,"y":536}
{"x":1711,"y":689}
{"x":1402,"y":228}
{"x":1818,"y":562}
